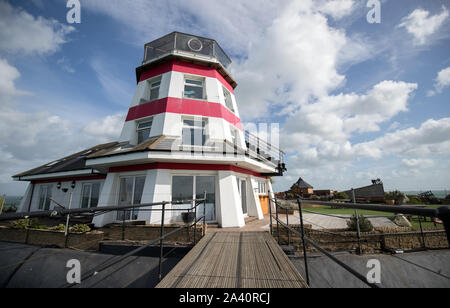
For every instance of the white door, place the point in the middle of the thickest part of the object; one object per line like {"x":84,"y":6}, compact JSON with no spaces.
{"x":242,"y":188}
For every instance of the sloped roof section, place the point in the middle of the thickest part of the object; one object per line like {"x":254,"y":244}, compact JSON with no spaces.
{"x":72,"y":162}
{"x":302,"y":184}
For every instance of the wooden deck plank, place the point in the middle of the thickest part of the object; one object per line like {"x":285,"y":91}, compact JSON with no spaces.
{"x":235,"y":260}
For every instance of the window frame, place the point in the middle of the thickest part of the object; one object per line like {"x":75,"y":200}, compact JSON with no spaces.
{"x":151,"y":87}
{"x":227,"y":93}
{"x":204,"y":128}
{"x":91,"y":184}
{"x":48,"y":196}
{"x":134,"y":211}
{"x":138,"y":123}
{"x":198,"y":79}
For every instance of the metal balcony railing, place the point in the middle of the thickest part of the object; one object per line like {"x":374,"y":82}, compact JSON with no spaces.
{"x":185,"y":44}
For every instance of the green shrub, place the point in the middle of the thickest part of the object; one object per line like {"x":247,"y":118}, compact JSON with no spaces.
{"x":27,"y":224}
{"x":364,"y":224}
{"x":59,"y":227}
{"x":340,"y":196}
{"x":80,"y":228}
{"x":396,"y":195}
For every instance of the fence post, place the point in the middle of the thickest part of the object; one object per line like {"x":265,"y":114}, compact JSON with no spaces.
{"x":270,"y":214}
{"x":204,"y":215}
{"x":302,"y":226}
{"x":278,"y":224}
{"x":421,"y":231}
{"x":288,"y":230}
{"x":358,"y":229}
{"x":161,"y":247}
{"x":66,"y":233}
{"x":123,"y":225}
{"x":195,"y":222}
{"x":443,"y":213}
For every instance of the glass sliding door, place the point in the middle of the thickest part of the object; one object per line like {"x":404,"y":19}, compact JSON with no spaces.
{"x":206,"y":184}
{"x":186,"y":187}
{"x":131,"y":189}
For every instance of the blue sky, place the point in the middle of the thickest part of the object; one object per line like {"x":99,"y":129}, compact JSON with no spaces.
{"x":354,"y":100}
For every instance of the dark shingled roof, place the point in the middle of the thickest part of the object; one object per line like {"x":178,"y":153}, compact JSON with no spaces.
{"x":73,"y":162}
{"x":302,"y":184}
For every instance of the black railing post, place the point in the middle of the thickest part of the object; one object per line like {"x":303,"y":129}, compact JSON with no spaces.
{"x":421,"y":231}
{"x":161,"y":247}
{"x":123,"y":225}
{"x":358,"y":228}
{"x":443,"y":213}
{"x":302,"y":226}
{"x":278,"y":224}
{"x":270,"y":214}
{"x":204,"y":214}
{"x":195,"y":224}
{"x":288,"y":230}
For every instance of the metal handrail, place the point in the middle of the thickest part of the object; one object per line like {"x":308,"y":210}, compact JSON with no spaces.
{"x":442,"y":213}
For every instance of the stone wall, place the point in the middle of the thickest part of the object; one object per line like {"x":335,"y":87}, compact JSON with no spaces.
{"x":47,"y":238}
{"x":381,"y":239}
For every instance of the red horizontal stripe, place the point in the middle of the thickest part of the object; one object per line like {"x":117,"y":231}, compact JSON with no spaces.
{"x":187,"y":68}
{"x":184,"y":166}
{"x":183,"y":106}
{"x":70,"y":179}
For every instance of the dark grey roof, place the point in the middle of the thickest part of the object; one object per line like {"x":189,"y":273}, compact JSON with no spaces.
{"x":302,"y":184}
{"x":73,"y":162}
{"x":371,"y":191}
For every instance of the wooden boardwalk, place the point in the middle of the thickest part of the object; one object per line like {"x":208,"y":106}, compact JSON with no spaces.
{"x":235,"y":260}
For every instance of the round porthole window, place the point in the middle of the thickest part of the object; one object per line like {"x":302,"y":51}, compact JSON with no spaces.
{"x":195,"y":44}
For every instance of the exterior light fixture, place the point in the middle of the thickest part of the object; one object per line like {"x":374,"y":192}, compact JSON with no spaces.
{"x":73,"y":185}
{"x":58,"y":185}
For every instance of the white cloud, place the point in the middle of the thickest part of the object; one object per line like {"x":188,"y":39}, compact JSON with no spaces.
{"x":421,"y":25}
{"x":415,"y":163}
{"x":337,"y":8}
{"x":8,"y":74}
{"x":22,"y":32}
{"x":432,"y":137}
{"x":107,"y":128}
{"x":333,"y":119}
{"x":442,"y":81}
{"x":283,"y":69}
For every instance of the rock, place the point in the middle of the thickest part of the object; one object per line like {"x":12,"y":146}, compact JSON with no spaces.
{"x":402,"y":221}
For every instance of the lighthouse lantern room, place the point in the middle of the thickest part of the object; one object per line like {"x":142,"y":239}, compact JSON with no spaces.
{"x":182,"y":138}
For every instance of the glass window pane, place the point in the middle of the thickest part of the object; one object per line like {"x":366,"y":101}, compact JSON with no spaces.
{"x":145,"y":125}
{"x":154,"y":94}
{"x":182,"y":188}
{"x":42,"y":196}
{"x":194,"y":82}
{"x":85,"y":196}
{"x":95,"y":195}
{"x":143,"y":135}
{"x":228,"y":100}
{"x":206,"y":184}
{"x":193,"y":92}
{"x":138,"y":189}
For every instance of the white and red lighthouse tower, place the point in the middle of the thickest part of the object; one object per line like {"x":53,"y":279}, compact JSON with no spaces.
{"x":182,"y":137}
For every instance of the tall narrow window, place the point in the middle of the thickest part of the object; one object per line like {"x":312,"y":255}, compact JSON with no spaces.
{"x":194,"y":132}
{"x":143,"y":131}
{"x":154,"y":89}
{"x":228,"y":100}
{"x":234,"y":135}
{"x":45,"y":193}
{"x":90,"y":195}
{"x":193,"y":88}
{"x":131,"y":189}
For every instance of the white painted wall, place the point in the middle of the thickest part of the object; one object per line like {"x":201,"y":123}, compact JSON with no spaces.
{"x":230,"y":204}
